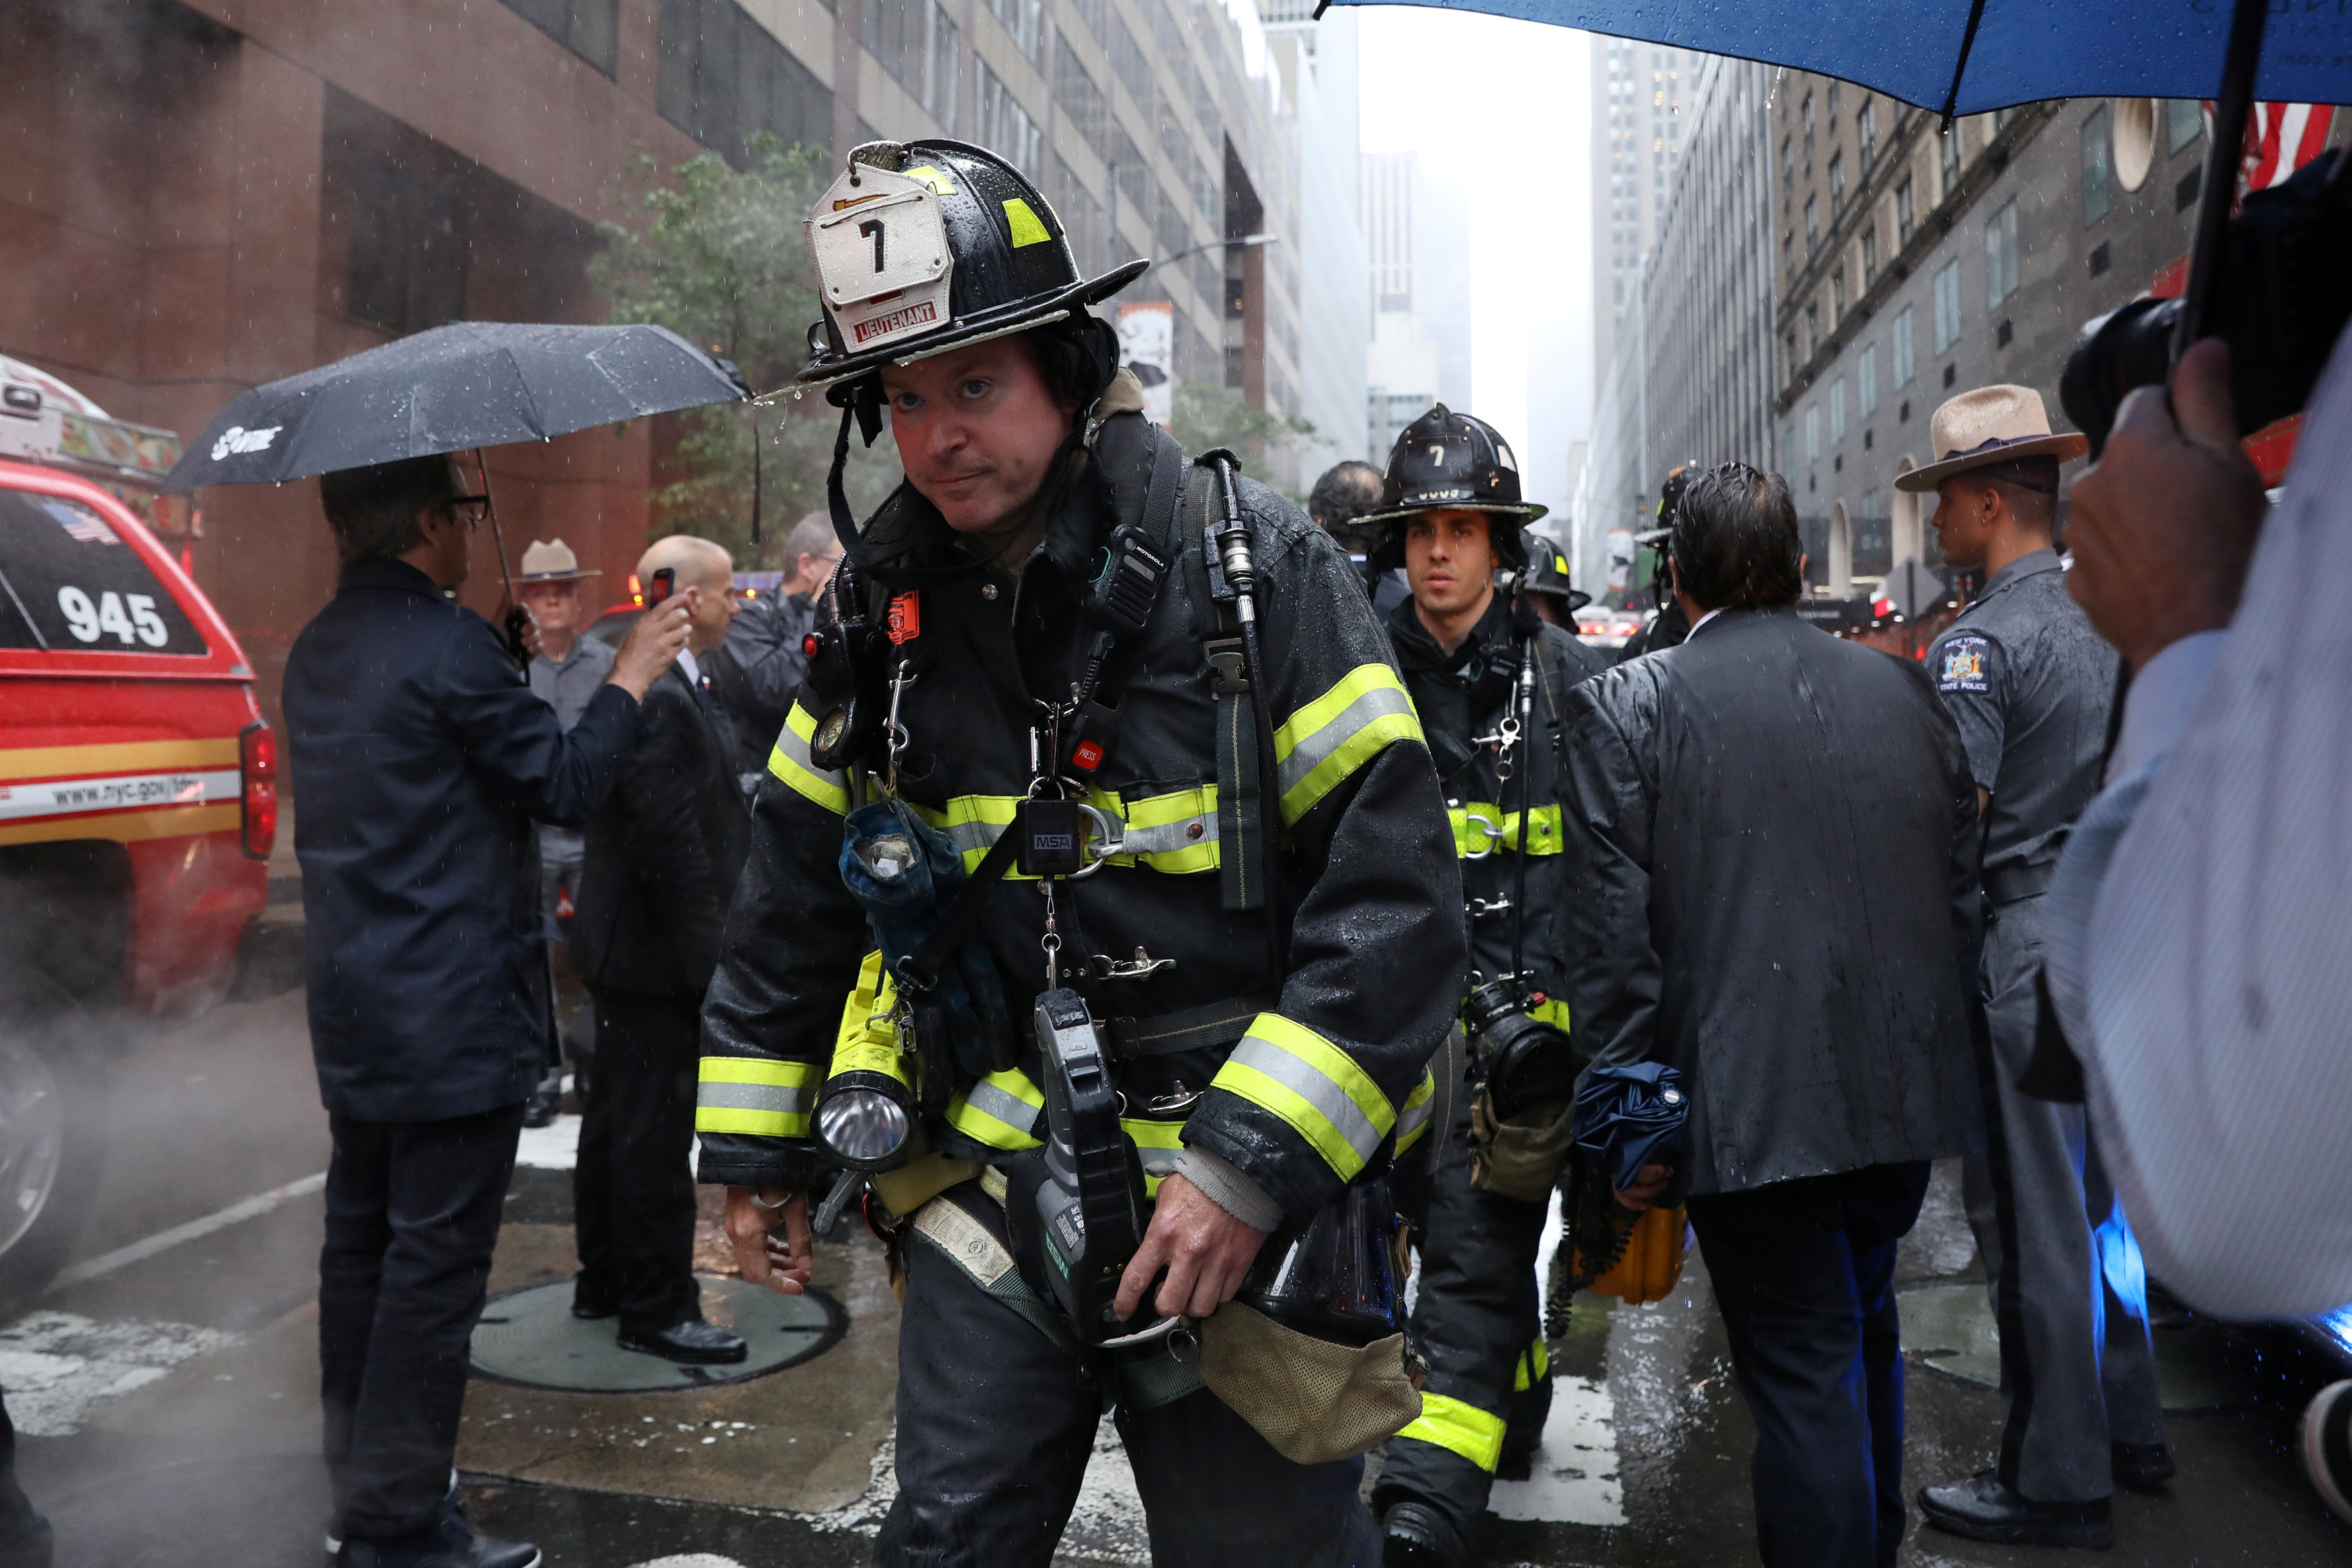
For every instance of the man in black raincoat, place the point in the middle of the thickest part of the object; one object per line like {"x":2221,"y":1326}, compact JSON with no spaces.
{"x":1263,"y":1080}
{"x":1772,"y":835}
{"x":1453,"y":514}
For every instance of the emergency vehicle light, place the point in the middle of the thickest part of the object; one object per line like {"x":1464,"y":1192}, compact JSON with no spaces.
{"x":257,"y":761}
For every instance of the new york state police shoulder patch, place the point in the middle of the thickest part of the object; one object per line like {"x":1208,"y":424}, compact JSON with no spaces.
{"x":1963,"y":665}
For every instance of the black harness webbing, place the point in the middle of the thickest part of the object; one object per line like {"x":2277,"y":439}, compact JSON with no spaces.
{"x":1190,"y":1029}
{"x":1241,"y":797}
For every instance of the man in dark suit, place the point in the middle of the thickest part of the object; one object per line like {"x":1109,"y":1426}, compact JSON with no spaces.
{"x":1773,"y":831}
{"x":420,"y":761}
{"x":663,"y":853}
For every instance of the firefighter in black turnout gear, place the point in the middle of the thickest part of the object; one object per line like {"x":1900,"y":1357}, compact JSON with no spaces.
{"x":1487,"y":675}
{"x":1104,"y":808}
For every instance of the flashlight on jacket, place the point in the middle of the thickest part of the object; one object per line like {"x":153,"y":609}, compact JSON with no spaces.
{"x":866,"y":1112}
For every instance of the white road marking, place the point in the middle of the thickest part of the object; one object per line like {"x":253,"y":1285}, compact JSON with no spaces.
{"x":1574,"y":1478}
{"x":164,"y":1241}
{"x":690,"y":1560}
{"x":554,"y":1147}
{"x":56,"y":1365}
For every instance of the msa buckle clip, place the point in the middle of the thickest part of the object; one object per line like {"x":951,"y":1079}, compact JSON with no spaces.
{"x":1054,"y":841}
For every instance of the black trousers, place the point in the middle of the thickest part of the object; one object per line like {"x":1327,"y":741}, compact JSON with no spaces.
{"x":633,"y":1188}
{"x":1477,"y":1317}
{"x":1804,"y":1276}
{"x":24,"y":1534}
{"x":996,"y":1424}
{"x":413,"y":1214}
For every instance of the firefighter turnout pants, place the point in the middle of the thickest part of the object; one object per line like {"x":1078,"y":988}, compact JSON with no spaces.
{"x":1477,"y":1317}
{"x":996,"y":1424}
{"x":2070,"y":1292}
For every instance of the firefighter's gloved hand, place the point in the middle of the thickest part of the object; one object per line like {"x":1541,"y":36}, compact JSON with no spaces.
{"x":772,"y":1247}
{"x":1206,"y":1252}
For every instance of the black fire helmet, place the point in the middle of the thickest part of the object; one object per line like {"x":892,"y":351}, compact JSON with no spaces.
{"x":1451,"y":462}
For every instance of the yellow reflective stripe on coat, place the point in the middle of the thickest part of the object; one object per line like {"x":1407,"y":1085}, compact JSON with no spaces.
{"x":791,"y":762}
{"x":1480,"y":829}
{"x":1290,"y":1070}
{"x":1002,"y":1111}
{"x":1174,"y":834}
{"x":752,"y":1094}
{"x":1412,"y":1116}
{"x":1157,"y":1145}
{"x":867,"y":1040}
{"x":1321,"y":744}
{"x":1459,"y":1429}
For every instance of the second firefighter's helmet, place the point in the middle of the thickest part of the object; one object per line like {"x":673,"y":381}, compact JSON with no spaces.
{"x":1546,"y":572}
{"x":923,"y":246}
{"x":1446,"y":461}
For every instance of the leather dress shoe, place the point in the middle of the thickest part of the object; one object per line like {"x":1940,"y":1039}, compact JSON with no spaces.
{"x":2327,"y":1448}
{"x":2143,"y":1467}
{"x":693,"y":1341}
{"x":1414,"y":1536}
{"x":1982,"y":1509}
{"x":593,"y":1311}
{"x":545,"y":1103}
{"x":449,"y":1544}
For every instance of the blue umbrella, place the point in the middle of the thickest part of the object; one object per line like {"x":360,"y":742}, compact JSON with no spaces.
{"x":1966,"y":57}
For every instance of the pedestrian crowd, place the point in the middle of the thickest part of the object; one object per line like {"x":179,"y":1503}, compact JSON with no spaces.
{"x":1415,"y":916}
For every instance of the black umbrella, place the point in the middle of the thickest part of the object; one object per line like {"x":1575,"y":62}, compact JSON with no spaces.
{"x":468,"y":384}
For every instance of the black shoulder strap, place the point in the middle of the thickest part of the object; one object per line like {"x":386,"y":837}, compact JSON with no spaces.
{"x":1242,"y":794}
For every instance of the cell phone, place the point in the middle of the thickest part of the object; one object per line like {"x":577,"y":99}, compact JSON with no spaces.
{"x":664,"y":584}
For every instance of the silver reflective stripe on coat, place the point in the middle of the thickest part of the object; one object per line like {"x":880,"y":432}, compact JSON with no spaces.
{"x":784,"y":1099}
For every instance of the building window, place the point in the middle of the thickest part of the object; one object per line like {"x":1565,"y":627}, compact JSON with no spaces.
{"x":1080,"y":99}
{"x":724,"y":79}
{"x":1812,"y":329}
{"x":1951,"y":155}
{"x":2000,"y":255}
{"x":1906,"y":212}
{"x":1813,"y":226}
{"x":1809,"y":135}
{"x":408,"y":235}
{"x":1788,"y":165}
{"x":2099,"y":164}
{"x":1813,"y":433}
{"x":1866,"y":134}
{"x":1788,"y":452}
{"x":2184,"y":122}
{"x":1947,"y":305}
{"x":1899,"y":349}
{"x":1866,"y":379}
{"x":1787,"y":258}
{"x":1837,"y":183}
{"x":915,"y":43}
{"x":589,"y":28}
{"x":1837,"y":410}
{"x":1837,"y":295}
{"x":1869,"y":253}
{"x":1024,"y":20}
{"x":1005,"y":127}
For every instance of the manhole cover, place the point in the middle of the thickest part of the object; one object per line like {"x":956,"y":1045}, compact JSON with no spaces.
{"x":530,"y":1337}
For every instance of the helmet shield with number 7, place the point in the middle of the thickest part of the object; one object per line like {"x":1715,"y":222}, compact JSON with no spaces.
{"x":923,"y":246}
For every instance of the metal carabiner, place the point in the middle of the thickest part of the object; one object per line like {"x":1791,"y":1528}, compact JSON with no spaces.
{"x":1110,"y":839}
{"x":1490,"y":826}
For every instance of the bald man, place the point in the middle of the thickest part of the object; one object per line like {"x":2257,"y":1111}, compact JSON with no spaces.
{"x":662,"y":852}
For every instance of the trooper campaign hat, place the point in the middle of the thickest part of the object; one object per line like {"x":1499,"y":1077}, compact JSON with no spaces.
{"x":1446,"y":461}
{"x":1990,"y":425}
{"x":923,"y":246}
{"x":551,"y":561}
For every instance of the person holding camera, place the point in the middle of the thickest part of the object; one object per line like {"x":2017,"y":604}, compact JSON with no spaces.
{"x":1772,"y":837}
{"x":663,"y":853}
{"x":420,"y":761}
{"x":1101,"y":791}
{"x":1488,"y":677}
{"x":2028,"y":682}
{"x":758,"y":672}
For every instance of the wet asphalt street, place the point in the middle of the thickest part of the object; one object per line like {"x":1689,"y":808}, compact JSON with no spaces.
{"x":167,"y":1388}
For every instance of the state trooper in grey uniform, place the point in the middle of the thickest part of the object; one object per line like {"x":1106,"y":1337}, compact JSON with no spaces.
{"x":2030,"y":685}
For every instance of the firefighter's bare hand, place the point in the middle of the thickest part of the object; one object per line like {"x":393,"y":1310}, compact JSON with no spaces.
{"x":1648,"y":1182}
{"x":771,"y":1245}
{"x":1206,"y":1252}
{"x":2164,"y":527}
{"x":651,"y":647}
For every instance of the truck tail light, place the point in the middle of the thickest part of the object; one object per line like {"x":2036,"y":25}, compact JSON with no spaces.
{"x":257,"y":761}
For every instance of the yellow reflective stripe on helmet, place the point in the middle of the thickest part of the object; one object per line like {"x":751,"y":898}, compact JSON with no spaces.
{"x":1175,"y":834}
{"x":1157,"y":1145}
{"x":1321,"y":744}
{"x":1290,"y":1070}
{"x":1459,"y":1429}
{"x":1480,"y":829}
{"x":752,"y":1095}
{"x":791,"y":762}
{"x":1412,"y":1116}
{"x":1002,"y":1111}
{"x":867,"y":1040}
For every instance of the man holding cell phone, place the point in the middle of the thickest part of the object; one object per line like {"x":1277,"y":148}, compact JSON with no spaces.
{"x":663,"y":853}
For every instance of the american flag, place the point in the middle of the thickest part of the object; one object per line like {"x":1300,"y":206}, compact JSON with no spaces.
{"x":2281,"y":138}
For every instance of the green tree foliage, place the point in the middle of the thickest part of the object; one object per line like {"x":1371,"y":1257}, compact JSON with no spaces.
{"x":1208,"y":416}
{"x":720,"y":261}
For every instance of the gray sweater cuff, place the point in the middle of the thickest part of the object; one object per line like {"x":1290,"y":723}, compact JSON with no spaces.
{"x":1229,"y":1188}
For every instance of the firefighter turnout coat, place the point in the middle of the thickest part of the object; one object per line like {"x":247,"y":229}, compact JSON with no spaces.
{"x":1302,"y":1080}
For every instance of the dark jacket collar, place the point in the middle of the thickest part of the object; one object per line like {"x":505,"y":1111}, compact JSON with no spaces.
{"x":1738,"y":613}
{"x":384,"y":572}
{"x":1418,"y":653}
